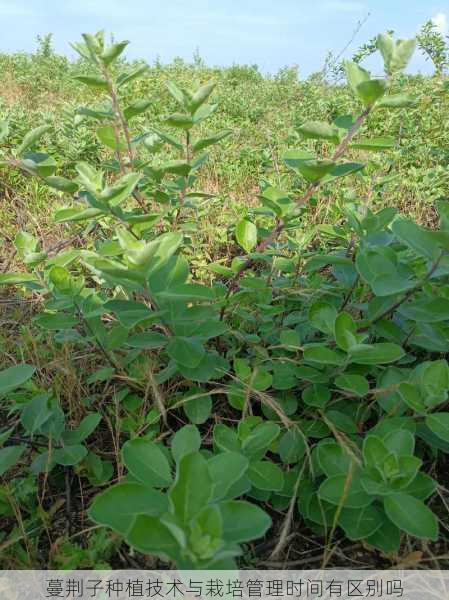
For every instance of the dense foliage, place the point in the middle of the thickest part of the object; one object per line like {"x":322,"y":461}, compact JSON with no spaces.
{"x":205,"y":383}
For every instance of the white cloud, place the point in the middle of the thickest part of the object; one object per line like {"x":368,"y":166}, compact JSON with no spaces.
{"x":344,"y":6}
{"x":440,"y":20}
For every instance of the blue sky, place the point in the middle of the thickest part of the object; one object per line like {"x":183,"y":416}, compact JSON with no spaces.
{"x":270,"y":33}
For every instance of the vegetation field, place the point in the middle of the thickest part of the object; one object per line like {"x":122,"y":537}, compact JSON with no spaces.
{"x":224,"y":308}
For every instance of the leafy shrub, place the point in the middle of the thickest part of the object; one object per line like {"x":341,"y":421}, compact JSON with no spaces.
{"x":329,"y":359}
{"x":432,"y":43}
{"x":197,"y":523}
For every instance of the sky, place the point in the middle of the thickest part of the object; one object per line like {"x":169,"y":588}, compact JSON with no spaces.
{"x":269,"y":33}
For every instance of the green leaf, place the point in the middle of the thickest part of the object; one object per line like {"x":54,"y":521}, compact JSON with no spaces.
{"x":188,"y":292}
{"x":129,"y":313}
{"x":192,"y":488}
{"x":316,"y":395}
{"x":403,"y":472}
{"x":400,"y":441}
{"x":94,"y":82}
{"x":332,"y":458}
{"x":226,"y":439}
{"x":243,"y":522}
{"x":155,"y":143}
{"x":377,"y":143}
{"x":411,"y":515}
{"x":70,"y":455}
{"x":355,"y":74}
{"x":17,"y":279}
{"x":246,"y":234}
{"x":342,"y":421}
{"x":387,"y":538}
{"x":322,"y":315}
{"x":211,"y":366}
{"x":317,"y":130}
{"x":322,"y":260}
{"x":62,"y":184}
{"x":25,"y":243}
{"x":431,"y":439}
{"x":421,"y":487}
{"x":84,"y":429}
{"x":150,"y":257}
{"x":201,"y":95}
{"x":197,"y":410}
{"x":207,"y":532}
{"x":94,"y":44}
{"x":177,"y":93}
{"x":355,"y":384}
{"x":150,"y":536}
{"x":31,"y":138}
{"x":98,"y":115}
{"x":361,"y":523}
{"x":4,"y":130}
{"x":56,"y":321}
{"x":117,"y":506}
{"x":321,"y":354}
{"x":397,"y":101}
{"x":107,"y":136}
{"x":292,"y":446}
{"x":147,"y":462}
{"x":65,"y":215}
{"x":147,"y":340}
{"x":422,"y":241}
{"x":177,"y":167}
{"x":185,"y":351}
{"x":136,"y":108}
{"x":438,"y":423}
{"x":36,"y":412}
{"x":314,"y":170}
{"x":396,"y":54}
{"x":14,"y":377}
{"x":411,"y":396}
{"x":403,"y":54}
{"x":185,"y":441}
{"x":63,"y":281}
{"x":265,"y":475}
{"x":210,"y":140}
{"x":290,"y":338}
{"x":9,"y":457}
{"x":426,"y":310}
{"x":111,"y":53}
{"x":261,"y":380}
{"x":225,"y":469}
{"x":5,"y":435}
{"x":342,"y":490}
{"x":260,"y":439}
{"x":433,"y":377}
{"x":374,"y":452}
{"x":345,"y":331}
{"x":375,"y":354}
{"x":38,"y":164}
{"x":89,"y":178}
{"x":179,"y":120}
{"x":371,"y":91}
{"x":387,"y":276}
{"x":292,"y":158}
{"x":204,"y":112}
{"x":125,"y":78}
{"x":343,"y":169}
{"x":121,"y":189}
{"x":386,"y":46}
